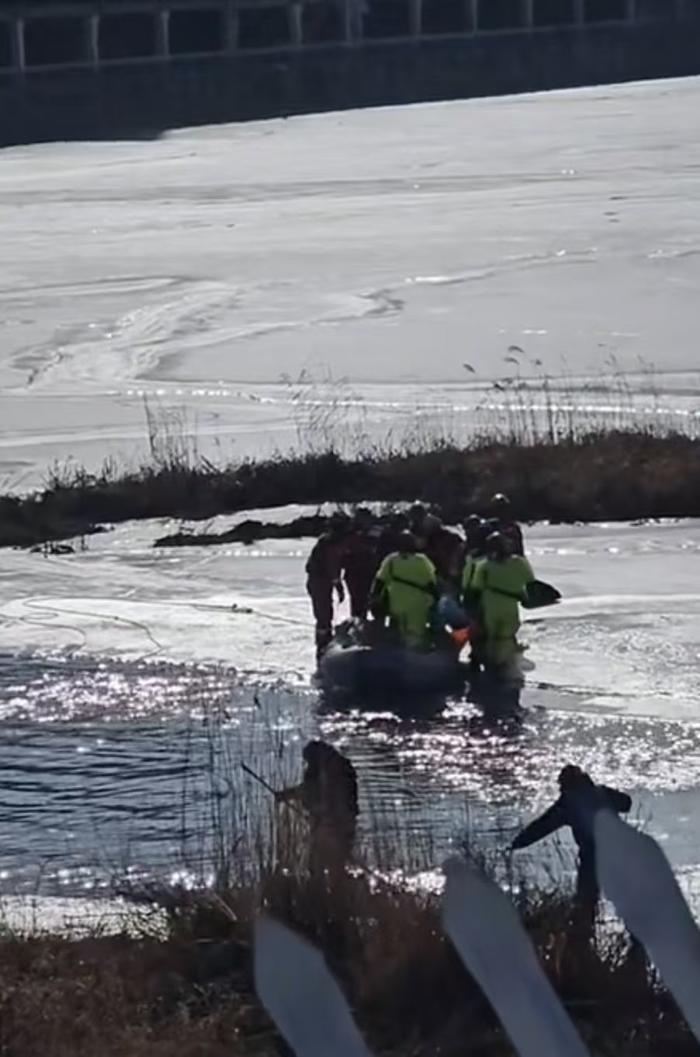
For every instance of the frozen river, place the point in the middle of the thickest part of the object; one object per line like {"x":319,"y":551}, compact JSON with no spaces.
{"x":390,"y":247}
{"x":236,"y":276}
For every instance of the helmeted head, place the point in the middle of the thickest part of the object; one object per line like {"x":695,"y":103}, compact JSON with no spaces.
{"x":315,"y":752}
{"x":399,"y":521}
{"x":431,"y":524}
{"x":474,"y":532}
{"x":407,"y":543}
{"x":496,"y":546}
{"x":364,"y":519}
{"x":339,"y":524}
{"x":317,"y":756}
{"x":572,"y":777}
{"x":500,"y":505}
{"x":417,"y":514}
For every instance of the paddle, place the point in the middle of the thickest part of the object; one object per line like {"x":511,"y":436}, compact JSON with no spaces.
{"x":539,"y":594}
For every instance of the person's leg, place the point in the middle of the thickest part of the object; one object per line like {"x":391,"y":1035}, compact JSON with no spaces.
{"x":477,"y":642}
{"x":490,"y":626}
{"x":502,"y":622}
{"x":321,"y":595}
{"x":415,"y":622}
{"x":587,"y":894}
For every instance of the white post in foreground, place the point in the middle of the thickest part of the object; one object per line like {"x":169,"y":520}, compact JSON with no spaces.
{"x":295,"y":986}
{"x":636,"y":876}
{"x":490,"y":939}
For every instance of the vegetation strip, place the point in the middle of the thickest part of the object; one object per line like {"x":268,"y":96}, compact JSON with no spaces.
{"x":618,"y":475}
{"x":191,"y":993}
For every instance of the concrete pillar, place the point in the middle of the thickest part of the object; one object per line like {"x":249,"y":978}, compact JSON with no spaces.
{"x":528,"y":13}
{"x":353,"y":21}
{"x":163,"y":34}
{"x":19,"y":59}
{"x":296,"y":25}
{"x":580,"y":12}
{"x":473,"y":14}
{"x":231,"y":23}
{"x":416,"y":17}
{"x":92,"y":39}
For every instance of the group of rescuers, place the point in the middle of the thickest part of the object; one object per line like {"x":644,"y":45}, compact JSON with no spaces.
{"x":400,"y":571}
{"x":328,"y":796}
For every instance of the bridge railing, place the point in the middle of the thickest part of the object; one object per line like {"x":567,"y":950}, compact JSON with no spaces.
{"x":54,"y":33}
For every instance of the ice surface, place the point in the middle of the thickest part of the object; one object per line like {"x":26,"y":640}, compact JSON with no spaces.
{"x":388,"y":246}
{"x":625,"y":635}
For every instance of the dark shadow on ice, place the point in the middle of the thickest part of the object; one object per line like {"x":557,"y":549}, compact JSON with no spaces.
{"x":413,"y":685}
{"x":496,"y":697}
{"x":333,"y":700}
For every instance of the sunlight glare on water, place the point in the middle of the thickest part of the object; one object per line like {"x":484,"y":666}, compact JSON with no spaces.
{"x":122,"y":773}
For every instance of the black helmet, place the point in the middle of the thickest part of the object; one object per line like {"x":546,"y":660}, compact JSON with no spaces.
{"x":363,"y":516}
{"x":572,"y":777}
{"x":407,"y":542}
{"x":476,"y":530}
{"x":339,"y":521}
{"x":497,"y":545}
{"x":500,"y":501}
{"x":431,"y":523}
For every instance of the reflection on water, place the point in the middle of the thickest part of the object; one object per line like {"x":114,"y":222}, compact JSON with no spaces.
{"x":127,"y":770}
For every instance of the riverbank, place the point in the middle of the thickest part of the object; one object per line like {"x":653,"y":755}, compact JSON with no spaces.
{"x":191,"y":991}
{"x":99,"y":729}
{"x":615,"y":475}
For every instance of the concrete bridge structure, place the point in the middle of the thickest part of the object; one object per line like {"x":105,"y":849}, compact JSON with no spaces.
{"x":111,"y":68}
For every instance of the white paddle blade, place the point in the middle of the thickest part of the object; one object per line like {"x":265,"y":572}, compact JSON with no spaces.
{"x":491,"y":941}
{"x":636,"y":876}
{"x":297,"y":990}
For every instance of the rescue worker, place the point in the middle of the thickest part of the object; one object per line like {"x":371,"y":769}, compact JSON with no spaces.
{"x":475,"y":536}
{"x":502,"y":520}
{"x":389,"y":536}
{"x":407,"y":583}
{"x":417,"y":513}
{"x":578,"y":800}
{"x":474,"y":544}
{"x":444,"y":548}
{"x":360,"y":562}
{"x":323,"y":577}
{"x":499,"y":581}
{"x":328,"y":795}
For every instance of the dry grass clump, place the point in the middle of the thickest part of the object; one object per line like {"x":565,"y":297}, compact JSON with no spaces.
{"x":612,"y":475}
{"x":190,"y":993}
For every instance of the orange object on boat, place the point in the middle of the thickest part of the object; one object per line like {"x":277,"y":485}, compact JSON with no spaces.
{"x":460,"y":636}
